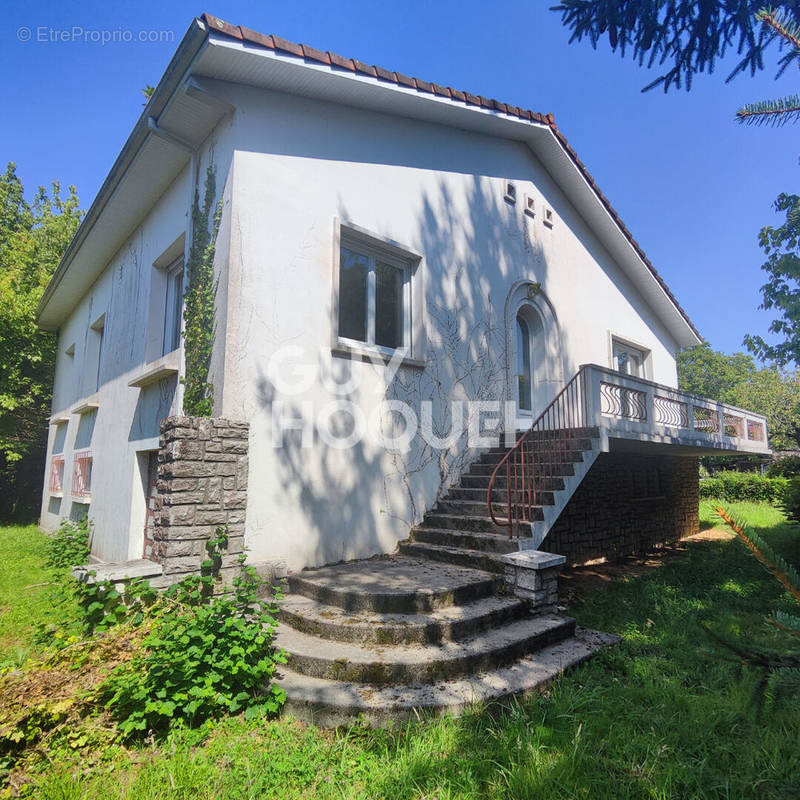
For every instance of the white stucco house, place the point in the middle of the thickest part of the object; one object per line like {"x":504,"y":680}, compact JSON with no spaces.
{"x":382,"y":240}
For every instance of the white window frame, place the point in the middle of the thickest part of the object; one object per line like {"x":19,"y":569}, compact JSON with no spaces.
{"x":620,"y":341}
{"x":99,"y":327}
{"x":375,"y":249}
{"x":171,"y":308}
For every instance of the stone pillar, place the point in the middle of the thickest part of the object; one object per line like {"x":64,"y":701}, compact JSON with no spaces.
{"x":533,"y":576}
{"x":202,"y":485}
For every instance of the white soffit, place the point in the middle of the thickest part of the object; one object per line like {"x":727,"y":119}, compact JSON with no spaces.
{"x":155,"y":167}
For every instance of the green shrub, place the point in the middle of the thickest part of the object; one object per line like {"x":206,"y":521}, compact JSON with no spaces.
{"x":742,"y":486}
{"x":209,"y":652}
{"x":102,"y":605}
{"x":789,"y":501}
{"x":786,"y":467}
{"x":69,"y":545}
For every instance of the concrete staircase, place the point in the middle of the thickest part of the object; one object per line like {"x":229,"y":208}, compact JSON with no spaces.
{"x":459,"y":530}
{"x":385,"y":637}
{"x":434,"y":627}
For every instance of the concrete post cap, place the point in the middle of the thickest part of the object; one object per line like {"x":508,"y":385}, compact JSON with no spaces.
{"x":534,"y":559}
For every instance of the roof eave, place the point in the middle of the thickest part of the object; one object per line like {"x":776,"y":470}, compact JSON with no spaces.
{"x":188,"y":49}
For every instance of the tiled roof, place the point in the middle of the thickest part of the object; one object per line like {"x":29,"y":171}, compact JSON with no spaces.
{"x":311,"y":54}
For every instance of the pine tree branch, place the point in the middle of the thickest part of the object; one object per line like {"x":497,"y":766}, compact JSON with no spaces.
{"x":772,"y":112}
{"x":771,"y":19}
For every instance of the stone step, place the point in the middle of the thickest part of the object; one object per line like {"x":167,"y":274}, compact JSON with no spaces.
{"x":478,"y":508}
{"x":333,"y":703}
{"x":470,"y":522}
{"x":552,"y":469}
{"x":452,"y":623}
{"x":404,"y":664}
{"x":457,"y":556}
{"x":392,"y":585}
{"x":474,"y":488}
{"x":470,"y":540}
{"x":575,"y":433}
{"x":572,"y":444}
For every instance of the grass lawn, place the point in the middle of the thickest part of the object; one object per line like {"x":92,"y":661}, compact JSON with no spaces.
{"x":23,"y":597}
{"x":659,"y":717}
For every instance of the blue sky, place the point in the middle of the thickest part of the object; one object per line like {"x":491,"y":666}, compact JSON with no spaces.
{"x":692,"y":185}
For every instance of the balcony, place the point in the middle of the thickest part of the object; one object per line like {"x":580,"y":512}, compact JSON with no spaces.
{"x":600,"y":411}
{"x":624,"y":407}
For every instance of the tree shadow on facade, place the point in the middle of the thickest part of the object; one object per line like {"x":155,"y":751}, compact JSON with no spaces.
{"x":362,"y":500}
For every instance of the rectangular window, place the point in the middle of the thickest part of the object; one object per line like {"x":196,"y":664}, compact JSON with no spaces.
{"x":56,"y":484}
{"x":150,"y":498}
{"x":173,"y":307}
{"x":82,"y":475}
{"x":99,"y":328}
{"x":628,"y":359}
{"x":374,"y":297}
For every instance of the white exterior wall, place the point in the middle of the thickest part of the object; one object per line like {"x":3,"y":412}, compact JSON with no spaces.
{"x":287,"y":168}
{"x":125,"y":427}
{"x":300,"y":164}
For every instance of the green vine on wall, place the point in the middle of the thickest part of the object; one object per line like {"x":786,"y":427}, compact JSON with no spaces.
{"x":198,"y":312}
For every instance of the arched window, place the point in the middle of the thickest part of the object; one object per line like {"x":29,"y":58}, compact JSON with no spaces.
{"x":524,"y":375}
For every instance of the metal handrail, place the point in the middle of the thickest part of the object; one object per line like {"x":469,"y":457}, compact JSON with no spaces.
{"x":601,"y":397}
{"x":526,"y":463}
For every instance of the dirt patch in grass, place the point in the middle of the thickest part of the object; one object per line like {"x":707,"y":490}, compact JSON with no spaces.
{"x":579,"y":580}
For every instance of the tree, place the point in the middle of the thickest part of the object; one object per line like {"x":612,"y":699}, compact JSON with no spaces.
{"x":709,"y":373}
{"x":782,"y":290}
{"x":33,"y":237}
{"x":691,"y":35}
{"x":736,"y":379}
{"x":777,"y":396}
{"x":785,"y":109}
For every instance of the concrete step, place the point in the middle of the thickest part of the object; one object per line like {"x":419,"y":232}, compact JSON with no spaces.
{"x":458,"y":556}
{"x":478,"y":508}
{"x":392,"y":585}
{"x":470,"y":540}
{"x":552,"y":468}
{"x":474,"y":488}
{"x":591,"y":432}
{"x":333,"y":703}
{"x":452,"y":623}
{"x":405,"y":664}
{"x":469,"y":522}
{"x":546,"y":448}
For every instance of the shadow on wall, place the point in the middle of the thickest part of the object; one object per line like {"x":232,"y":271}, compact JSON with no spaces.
{"x":85,"y":432}
{"x":152,"y":405}
{"x":474,"y":253}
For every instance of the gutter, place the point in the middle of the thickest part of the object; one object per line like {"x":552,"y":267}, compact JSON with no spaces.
{"x":190,"y":47}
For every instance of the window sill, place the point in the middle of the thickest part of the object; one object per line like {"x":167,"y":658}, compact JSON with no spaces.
{"x":59,"y":419}
{"x":56,"y":494}
{"x":90,"y":404}
{"x":84,"y":499}
{"x":167,"y":366}
{"x":367,"y":353}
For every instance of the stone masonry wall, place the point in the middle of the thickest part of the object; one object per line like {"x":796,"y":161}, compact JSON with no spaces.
{"x":202,"y":485}
{"x":626,"y":504}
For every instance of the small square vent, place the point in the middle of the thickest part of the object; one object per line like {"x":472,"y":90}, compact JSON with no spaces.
{"x":548,"y":217}
{"x":511,"y":193}
{"x":530,"y":205}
